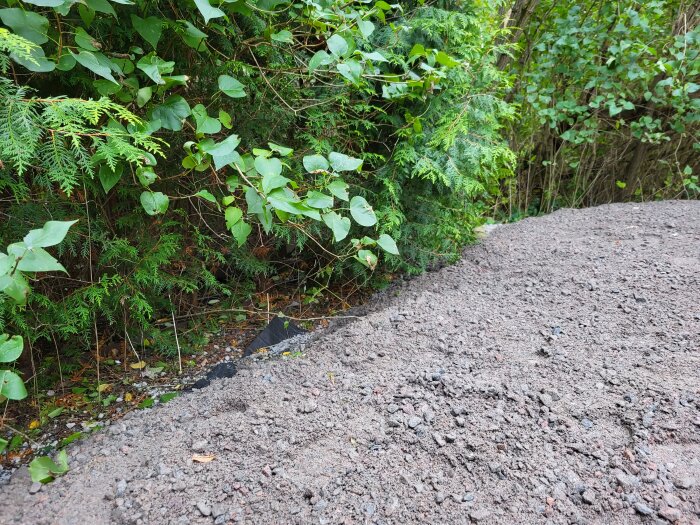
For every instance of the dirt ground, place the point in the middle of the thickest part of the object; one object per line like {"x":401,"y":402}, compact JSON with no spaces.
{"x":552,"y":376}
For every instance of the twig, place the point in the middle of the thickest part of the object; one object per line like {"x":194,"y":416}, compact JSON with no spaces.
{"x":177,"y":341}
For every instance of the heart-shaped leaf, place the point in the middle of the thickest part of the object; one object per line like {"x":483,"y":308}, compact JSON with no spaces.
{"x":362,"y":212}
{"x":341,"y":162}
{"x":10,"y":348}
{"x":154,"y":203}
{"x":12,"y":386}
{"x":340,"y":226}
{"x":387,"y":244}
{"x":314,"y":163}
{"x":232,"y":87}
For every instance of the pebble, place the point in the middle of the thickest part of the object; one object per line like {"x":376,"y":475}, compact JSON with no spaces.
{"x":479,"y":515}
{"x":121,"y":487}
{"x":685,"y":482}
{"x":670,"y":514}
{"x":203,"y":508}
{"x":643,"y":509}
{"x":439,"y":439}
{"x":440,"y":497}
{"x":199,"y":446}
{"x":587,"y":423}
{"x":309,"y":407}
{"x":35,"y":487}
{"x":588,"y":496}
{"x":414,"y":421}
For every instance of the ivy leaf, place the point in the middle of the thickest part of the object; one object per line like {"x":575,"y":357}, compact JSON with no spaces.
{"x":10,"y":348}
{"x":208,"y":12}
{"x":223,"y":152}
{"x":52,"y":233}
{"x":341,"y":162}
{"x":12,"y":386}
{"x":154,"y":203}
{"x":367,"y":258}
{"x":172,"y":112}
{"x":316,"y":199}
{"x":340,"y":226}
{"x":366,"y":27}
{"x":150,"y":28}
{"x":232,"y":215}
{"x":26,"y":24}
{"x":314,"y":163}
{"x":351,"y":69}
{"x":232,"y":87}
{"x":95,"y":62}
{"x":109,"y":178}
{"x":374,"y":56}
{"x":362,"y":212}
{"x":283,"y":36}
{"x":320,"y":58}
{"x":338,"y":45}
{"x":155,"y":67}
{"x":339,"y":188}
{"x":387,"y":244}
{"x":205,"y":123}
{"x":240,"y":231}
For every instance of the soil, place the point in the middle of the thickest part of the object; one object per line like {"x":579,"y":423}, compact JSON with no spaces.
{"x":551,"y":376}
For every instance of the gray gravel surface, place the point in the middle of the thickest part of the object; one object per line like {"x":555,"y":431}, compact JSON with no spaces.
{"x":552,"y":376}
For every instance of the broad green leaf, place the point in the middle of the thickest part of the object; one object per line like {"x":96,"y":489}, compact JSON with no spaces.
{"x":362,"y":212}
{"x":374,"y":56}
{"x":39,"y":260}
{"x":150,"y":28}
{"x":206,"y":195}
{"x":146,"y":175}
{"x":3,"y":445}
{"x":339,"y":188}
{"x":52,"y":233}
{"x":208,"y":12}
{"x":231,"y":87}
{"x":10,"y":348}
{"x":314,"y":163}
{"x":282,"y":200}
{"x":12,"y":386}
{"x":205,"y":123}
{"x":341,"y":162}
{"x":318,"y":200}
{"x":340,"y":226}
{"x":387,"y":244}
{"x":367,"y":258}
{"x":7,"y":263}
{"x":172,"y":112}
{"x":192,"y":36}
{"x":26,"y":24}
{"x":265,"y":218}
{"x":240,"y":231}
{"x":282,"y":150}
{"x":265,"y":166}
{"x":232,"y":216}
{"x":283,"y":36}
{"x":109,"y":178}
{"x":44,"y":469}
{"x":101,"y":6}
{"x":223,"y":152}
{"x":254,"y":200}
{"x":351,"y":69}
{"x":445,"y":59}
{"x":45,"y":3}
{"x":143,"y":95}
{"x":84,"y":40}
{"x":154,"y":203}
{"x":337,"y":45}
{"x":366,"y":27}
{"x":155,"y":67}
{"x":225,"y":119}
{"x":36,"y":61}
{"x":16,"y":287}
{"x":320,"y":58}
{"x":106,"y":88}
{"x":91,"y":61}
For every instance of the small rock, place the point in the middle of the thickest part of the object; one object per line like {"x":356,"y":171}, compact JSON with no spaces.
{"x":546,"y":399}
{"x":670,"y":514}
{"x":309,"y":407}
{"x":392,"y":408}
{"x":479,"y":515}
{"x":587,"y":423}
{"x":643,"y":509}
{"x":439,"y":439}
{"x":440,"y":497}
{"x":35,"y":487}
{"x":203,"y":508}
{"x":414,"y":421}
{"x":685,"y":482}
{"x":460,"y":421}
{"x":588,"y":496}
{"x":450,"y":438}
{"x":199,"y":446}
{"x":121,"y":488}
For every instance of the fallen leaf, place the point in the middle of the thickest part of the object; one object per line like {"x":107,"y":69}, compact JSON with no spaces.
{"x":203,"y":458}
{"x":128,"y":397}
{"x":138,"y":366}
{"x":104,"y":387}
{"x":34,"y":424}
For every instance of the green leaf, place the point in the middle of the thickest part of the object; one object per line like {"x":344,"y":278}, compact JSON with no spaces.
{"x":16,"y":287}
{"x":240,"y":231}
{"x":155,"y":67}
{"x":338,"y":45}
{"x":206,"y":195}
{"x":101,"y":6}
{"x":192,"y":36}
{"x":208,"y":12}
{"x":223,"y":152}
{"x":351,"y":69}
{"x":205,"y":123}
{"x":341,"y":162}
{"x":10,"y":348}
{"x":3,"y":445}
{"x":367,"y":258}
{"x":154,"y":203}
{"x":285,"y":200}
{"x":254,"y":200}
{"x":36,"y":61}
{"x":271,"y":170}
{"x":316,"y":199}
{"x":26,"y":24}
{"x":143,"y":95}
{"x":362,"y":212}
{"x":168,"y":397}
{"x":44,"y":470}
{"x":84,"y":40}
{"x":340,"y":226}
{"x":12,"y":386}
{"x":225,"y":119}
{"x":109,"y":178}
{"x":339,"y":188}
{"x":320,"y":58}
{"x":282,"y":150}
{"x":231,"y":87}
{"x":314,"y":163}
{"x":366,"y":27}
{"x":172,"y":112}
{"x":232,"y":216}
{"x":146,"y":175}
{"x":37,"y":260}
{"x":95,"y":62}
{"x":265,"y":218}
{"x":150,"y":28}
{"x":284,"y":36}
{"x":387,"y":244}
{"x":52,"y":233}
{"x":45,"y":3}
{"x":374,"y":56}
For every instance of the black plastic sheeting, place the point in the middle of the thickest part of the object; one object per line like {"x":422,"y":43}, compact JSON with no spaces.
{"x":277,"y":330}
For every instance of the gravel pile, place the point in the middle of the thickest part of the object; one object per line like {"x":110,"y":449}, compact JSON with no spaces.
{"x":552,"y":376}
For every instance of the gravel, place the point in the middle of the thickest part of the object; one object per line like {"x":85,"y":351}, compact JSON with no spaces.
{"x":438,"y":404}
